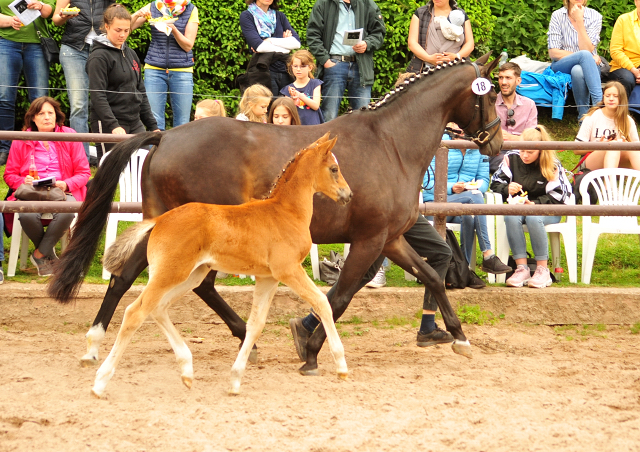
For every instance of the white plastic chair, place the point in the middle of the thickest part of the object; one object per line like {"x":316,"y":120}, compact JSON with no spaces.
{"x":129,"y":192}
{"x":20,"y":243}
{"x":614,"y":187}
{"x":569,"y":235}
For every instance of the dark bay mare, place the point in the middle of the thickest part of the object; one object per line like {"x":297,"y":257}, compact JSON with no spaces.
{"x":383,"y":152}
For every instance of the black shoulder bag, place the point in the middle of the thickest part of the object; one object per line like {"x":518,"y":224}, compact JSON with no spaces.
{"x":49,"y":47}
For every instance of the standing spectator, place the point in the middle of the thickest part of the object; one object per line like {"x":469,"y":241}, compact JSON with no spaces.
{"x":209,"y":107}
{"x":119,"y":103}
{"x":262,"y":21}
{"x":428,"y":37}
{"x":625,"y":50}
{"x":64,"y":160}
{"x":305,"y":90}
{"x":573,"y":37}
{"x":609,"y":120}
{"x":516,"y":112}
{"x":539,"y":175}
{"x":283,"y":112}
{"x":80,"y":30}
{"x":20,"y":51}
{"x":343,"y":67}
{"x":169,"y":62}
{"x":467,"y":180}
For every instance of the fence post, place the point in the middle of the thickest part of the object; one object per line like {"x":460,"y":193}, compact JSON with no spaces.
{"x":440,"y":188}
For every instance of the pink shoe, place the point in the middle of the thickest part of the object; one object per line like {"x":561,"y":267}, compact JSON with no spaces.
{"x":541,"y":278}
{"x":520,"y":277}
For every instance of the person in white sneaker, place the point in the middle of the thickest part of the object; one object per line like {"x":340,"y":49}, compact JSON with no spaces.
{"x":531,"y":177}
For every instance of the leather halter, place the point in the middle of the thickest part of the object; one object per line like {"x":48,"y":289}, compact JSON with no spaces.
{"x":482,"y":136}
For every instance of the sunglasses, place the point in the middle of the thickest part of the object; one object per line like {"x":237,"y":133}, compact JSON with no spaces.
{"x":510,"y":121}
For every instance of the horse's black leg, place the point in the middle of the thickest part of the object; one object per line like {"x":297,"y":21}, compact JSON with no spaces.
{"x":207,"y":291}
{"x":361,"y":255}
{"x":118,"y":286}
{"x":400,"y":252}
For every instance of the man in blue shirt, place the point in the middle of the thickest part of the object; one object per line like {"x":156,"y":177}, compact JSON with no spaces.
{"x":343,"y":67}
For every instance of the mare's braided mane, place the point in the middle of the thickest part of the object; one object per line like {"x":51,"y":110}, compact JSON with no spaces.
{"x":393,"y":94}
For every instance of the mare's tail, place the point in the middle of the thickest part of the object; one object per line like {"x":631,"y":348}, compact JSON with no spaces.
{"x":69,"y":273}
{"x":121,"y":250}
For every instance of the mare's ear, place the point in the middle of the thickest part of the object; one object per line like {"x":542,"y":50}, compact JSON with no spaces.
{"x":483,"y":59}
{"x":486,"y":70}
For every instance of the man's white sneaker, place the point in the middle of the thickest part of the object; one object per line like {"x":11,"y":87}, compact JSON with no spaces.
{"x":380,"y":280}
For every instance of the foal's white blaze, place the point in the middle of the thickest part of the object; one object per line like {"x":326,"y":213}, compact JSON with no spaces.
{"x":94,"y":336}
{"x":334,"y":158}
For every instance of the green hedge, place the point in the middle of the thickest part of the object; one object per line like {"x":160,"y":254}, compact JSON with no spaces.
{"x":221,"y":53}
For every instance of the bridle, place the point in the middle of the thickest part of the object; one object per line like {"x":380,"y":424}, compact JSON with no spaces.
{"x":482,"y":135}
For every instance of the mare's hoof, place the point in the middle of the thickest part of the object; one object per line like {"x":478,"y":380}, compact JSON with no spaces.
{"x":188,"y":381}
{"x":253,"y":356}
{"x":88,"y":361}
{"x":462,"y":348}
{"x":308,"y":371}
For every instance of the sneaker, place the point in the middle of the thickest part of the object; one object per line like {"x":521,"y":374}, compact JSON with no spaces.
{"x":3,"y":158}
{"x":437,"y":336}
{"x":380,"y":280}
{"x":541,"y":278}
{"x":300,"y":337}
{"x":494,"y":265}
{"x":43,"y":265}
{"x":475,"y":282}
{"x":520,"y":278}
{"x":1,"y":274}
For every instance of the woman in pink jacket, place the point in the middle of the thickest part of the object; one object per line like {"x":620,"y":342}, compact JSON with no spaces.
{"x":66,"y":161}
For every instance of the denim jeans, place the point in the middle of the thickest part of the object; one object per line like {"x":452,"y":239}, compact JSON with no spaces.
{"x":343,"y":76}
{"x":1,"y":237}
{"x":16,"y":58}
{"x":470,"y":223}
{"x":179,"y":85}
{"x":585,"y":78}
{"x":73,"y":64}
{"x":535,"y":225}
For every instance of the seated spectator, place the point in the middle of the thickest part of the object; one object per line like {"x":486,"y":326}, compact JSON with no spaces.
{"x":429,"y":40}
{"x":64,"y":160}
{"x":531,"y":177}
{"x":209,"y":107}
{"x":467,"y":180}
{"x":573,"y":37}
{"x":21,"y":53}
{"x":254,"y":104}
{"x":516,"y":112}
{"x":169,"y":62}
{"x":1,"y":248}
{"x":625,"y":51}
{"x":609,"y":120}
{"x":260,"y":22}
{"x":119,"y":103}
{"x":283,"y":112}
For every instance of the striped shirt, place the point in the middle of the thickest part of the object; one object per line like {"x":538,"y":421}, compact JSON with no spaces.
{"x":562,"y":35}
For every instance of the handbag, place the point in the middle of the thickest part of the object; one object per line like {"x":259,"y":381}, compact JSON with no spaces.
{"x":27,"y":192}
{"x":49,"y":46}
{"x":330,"y":269}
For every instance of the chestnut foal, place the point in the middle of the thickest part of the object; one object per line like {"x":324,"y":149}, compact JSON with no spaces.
{"x":268,"y":238}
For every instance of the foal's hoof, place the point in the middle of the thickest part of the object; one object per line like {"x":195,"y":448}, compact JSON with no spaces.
{"x":234,"y":389}
{"x":89,"y":361}
{"x":96,"y":395}
{"x":343,"y":375}
{"x":253,"y":355}
{"x":462,"y":348}
{"x":309,"y":371}
{"x":188,"y":381}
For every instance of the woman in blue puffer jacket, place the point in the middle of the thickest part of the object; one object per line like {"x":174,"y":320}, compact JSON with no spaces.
{"x":467,"y":180}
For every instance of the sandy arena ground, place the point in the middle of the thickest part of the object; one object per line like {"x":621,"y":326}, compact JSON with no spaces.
{"x":527,"y":388}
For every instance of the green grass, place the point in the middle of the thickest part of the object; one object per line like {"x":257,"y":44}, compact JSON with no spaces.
{"x":582,"y":332}
{"x":473,"y":314}
{"x":615,"y":263}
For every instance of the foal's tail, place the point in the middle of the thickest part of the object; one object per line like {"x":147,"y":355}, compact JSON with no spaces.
{"x":121,"y":250}
{"x":75,"y":261}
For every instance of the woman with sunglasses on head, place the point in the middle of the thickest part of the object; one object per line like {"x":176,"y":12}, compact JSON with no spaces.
{"x":531,"y":177}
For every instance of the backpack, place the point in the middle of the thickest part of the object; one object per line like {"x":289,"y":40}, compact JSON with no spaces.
{"x":458,"y":275}
{"x":577,"y":179}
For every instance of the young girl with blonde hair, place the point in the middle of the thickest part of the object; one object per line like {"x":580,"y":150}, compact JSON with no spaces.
{"x":535,"y":177}
{"x":305,"y":90}
{"x":606,"y":121}
{"x":209,"y":107}
{"x":254,"y":104}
